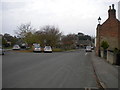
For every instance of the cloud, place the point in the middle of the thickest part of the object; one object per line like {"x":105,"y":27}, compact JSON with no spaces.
{"x":13,"y":5}
{"x":71,"y":16}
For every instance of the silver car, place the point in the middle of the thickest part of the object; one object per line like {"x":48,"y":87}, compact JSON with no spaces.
{"x":37,"y":49}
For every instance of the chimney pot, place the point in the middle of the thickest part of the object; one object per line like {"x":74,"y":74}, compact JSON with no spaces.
{"x":112,"y":12}
{"x":112,"y":6}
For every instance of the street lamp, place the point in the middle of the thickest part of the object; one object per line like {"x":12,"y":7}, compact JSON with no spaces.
{"x":99,"y":20}
{"x":98,"y":33}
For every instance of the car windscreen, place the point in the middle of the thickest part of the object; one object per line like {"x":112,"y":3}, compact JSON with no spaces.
{"x":88,"y":47}
{"x":48,"y":47}
{"x":16,"y":46}
{"x":37,"y":46}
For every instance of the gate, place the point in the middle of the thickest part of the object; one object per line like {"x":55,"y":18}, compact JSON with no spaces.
{"x":118,"y":59}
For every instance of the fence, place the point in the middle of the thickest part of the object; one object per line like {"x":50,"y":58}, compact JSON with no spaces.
{"x":110,"y":56}
{"x":113,"y":58}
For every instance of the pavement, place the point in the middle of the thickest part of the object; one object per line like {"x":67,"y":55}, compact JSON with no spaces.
{"x":106,"y":73}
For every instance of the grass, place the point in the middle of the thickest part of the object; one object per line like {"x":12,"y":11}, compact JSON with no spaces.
{"x":54,"y":50}
{"x":7,"y":47}
{"x":31,"y":50}
{"x":61,"y":50}
{"x":58,"y":50}
{"x":24,"y":50}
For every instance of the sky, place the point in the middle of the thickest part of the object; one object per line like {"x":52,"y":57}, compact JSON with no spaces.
{"x":119,"y":10}
{"x":70,"y":16}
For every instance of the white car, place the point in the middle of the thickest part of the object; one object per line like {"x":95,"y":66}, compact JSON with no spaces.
{"x":48,"y":49}
{"x":37,"y":49}
{"x":16,"y":47}
{"x":88,"y":49}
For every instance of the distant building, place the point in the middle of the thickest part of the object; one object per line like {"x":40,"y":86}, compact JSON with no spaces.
{"x":109,"y":31}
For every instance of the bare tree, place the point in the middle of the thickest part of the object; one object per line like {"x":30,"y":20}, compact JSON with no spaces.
{"x":47,"y":35}
{"x":26,"y":33}
{"x":50,"y":35}
{"x":23,"y":29}
{"x":69,"y":41}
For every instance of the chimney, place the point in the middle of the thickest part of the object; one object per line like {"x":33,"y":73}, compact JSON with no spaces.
{"x":111,"y":12}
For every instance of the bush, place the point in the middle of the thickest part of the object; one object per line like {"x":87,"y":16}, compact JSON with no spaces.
{"x":116,"y":51}
{"x":104,"y":45}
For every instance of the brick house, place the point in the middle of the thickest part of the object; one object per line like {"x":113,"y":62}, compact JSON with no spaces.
{"x":109,"y":31}
{"x":119,"y":10}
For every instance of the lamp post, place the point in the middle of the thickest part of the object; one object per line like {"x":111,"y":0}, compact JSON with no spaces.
{"x":99,"y":20}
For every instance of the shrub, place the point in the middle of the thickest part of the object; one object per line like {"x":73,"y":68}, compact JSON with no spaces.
{"x":104,"y":45}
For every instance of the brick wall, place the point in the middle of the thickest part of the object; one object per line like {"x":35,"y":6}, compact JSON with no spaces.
{"x":119,"y":35}
{"x":109,"y":32}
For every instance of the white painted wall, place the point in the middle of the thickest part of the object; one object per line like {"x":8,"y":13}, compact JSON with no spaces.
{"x":119,"y":10}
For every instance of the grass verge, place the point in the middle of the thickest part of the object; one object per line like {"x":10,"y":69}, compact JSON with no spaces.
{"x":54,"y":50}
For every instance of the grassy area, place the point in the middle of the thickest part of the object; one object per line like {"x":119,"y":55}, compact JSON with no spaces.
{"x":31,"y":50}
{"x":7,"y":47}
{"x":58,"y":50}
{"x":61,"y":50}
{"x":23,"y":50}
{"x":26,"y":50}
{"x":71,"y":50}
{"x":54,"y":50}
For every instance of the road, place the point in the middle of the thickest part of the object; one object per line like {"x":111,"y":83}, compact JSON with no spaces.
{"x":48,"y":70}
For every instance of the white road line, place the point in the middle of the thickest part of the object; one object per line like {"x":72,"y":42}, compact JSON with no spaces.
{"x":86,"y":54}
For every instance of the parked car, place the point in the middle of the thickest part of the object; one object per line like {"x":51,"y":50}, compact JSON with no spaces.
{"x":37,"y":48}
{"x":48,"y":49}
{"x":2,"y":51}
{"x":16,"y":47}
{"x":88,"y":49}
{"x":92,"y":48}
{"x":23,"y":45}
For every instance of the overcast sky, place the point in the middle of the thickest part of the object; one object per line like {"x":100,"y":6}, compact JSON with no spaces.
{"x":70,"y":16}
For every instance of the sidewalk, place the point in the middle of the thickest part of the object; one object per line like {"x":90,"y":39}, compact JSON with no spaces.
{"x":106,"y":73}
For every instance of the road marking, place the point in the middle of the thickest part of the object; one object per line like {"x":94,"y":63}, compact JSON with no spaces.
{"x":86,"y":54}
{"x":91,"y":88}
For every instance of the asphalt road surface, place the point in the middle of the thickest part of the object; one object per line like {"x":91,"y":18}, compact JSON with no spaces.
{"x":48,"y":70}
